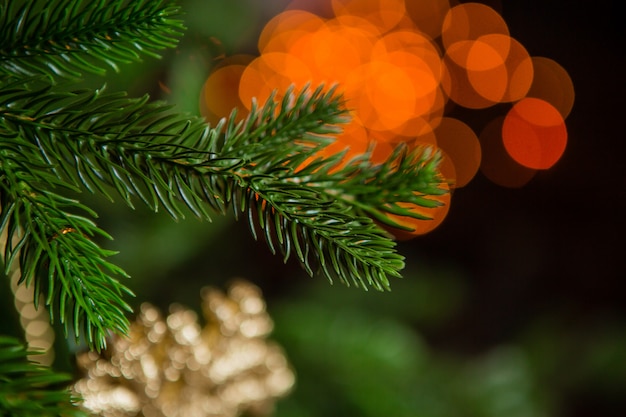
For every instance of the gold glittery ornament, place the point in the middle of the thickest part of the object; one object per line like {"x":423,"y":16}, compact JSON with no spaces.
{"x":173,"y":367}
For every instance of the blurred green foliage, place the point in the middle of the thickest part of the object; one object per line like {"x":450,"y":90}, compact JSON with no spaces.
{"x":366,"y":359}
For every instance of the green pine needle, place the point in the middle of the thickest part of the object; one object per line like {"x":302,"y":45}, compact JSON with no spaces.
{"x":407,"y":176}
{"x":28,"y":389}
{"x":54,"y":139}
{"x":57,"y":256}
{"x":65,"y":38}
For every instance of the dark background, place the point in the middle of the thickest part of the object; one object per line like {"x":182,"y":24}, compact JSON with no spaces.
{"x":557,"y":242}
{"x":553,"y":250}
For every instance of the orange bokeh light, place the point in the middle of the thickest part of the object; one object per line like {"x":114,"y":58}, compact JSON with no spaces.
{"x":354,"y":141}
{"x":402,"y":66}
{"x":291,"y":23}
{"x":470,"y":21}
{"x":462,"y":147}
{"x":220,"y":94}
{"x":385,"y":14}
{"x":272,"y":72}
{"x":455,"y":79}
{"x":428,"y":16}
{"x":553,"y":84}
{"x":534,"y":133}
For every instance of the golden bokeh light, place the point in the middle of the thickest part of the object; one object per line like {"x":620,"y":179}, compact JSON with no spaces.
{"x":34,"y":319}
{"x":35,"y":322}
{"x":172,"y":366}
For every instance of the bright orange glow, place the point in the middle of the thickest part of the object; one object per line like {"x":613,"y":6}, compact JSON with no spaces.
{"x":486,"y":70}
{"x":354,"y":141}
{"x":519,"y":67}
{"x":411,"y":42}
{"x":220,"y":94}
{"x":492,"y":69}
{"x":476,"y":73}
{"x":461,"y":145}
{"x":350,"y":48}
{"x":390,"y":95}
{"x":552,"y":84}
{"x":382,"y":150}
{"x":402,"y":67}
{"x":455,"y":79}
{"x":486,"y":53}
{"x":401,"y":92}
{"x":427,"y":138}
{"x":534,"y":133}
{"x":358,"y":23}
{"x":294,"y":22}
{"x":274,"y":71}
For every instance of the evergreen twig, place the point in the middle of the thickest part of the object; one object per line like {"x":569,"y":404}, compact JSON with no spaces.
{"x":31,"y":390}
{"x":63,"y":38}
{"x":55,"y":139}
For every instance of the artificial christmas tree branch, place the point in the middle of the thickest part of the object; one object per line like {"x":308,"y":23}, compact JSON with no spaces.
{"x":64,"y":38}
{"x":29,"y":389}
{"x":56,"y":139}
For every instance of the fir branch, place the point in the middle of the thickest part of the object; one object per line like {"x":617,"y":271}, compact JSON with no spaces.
{"x":97,"y":140}
{"x":68,"y":37}
{"x":31,"y":390}
{"x":144,"y":151}
{"x":321,"y":232}
{"x":167,"y":160}
{"x":56,"y":254}
{"x":407,"y":176}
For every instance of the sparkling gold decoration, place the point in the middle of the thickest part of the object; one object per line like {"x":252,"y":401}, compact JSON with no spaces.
{"x":172,"y":367}
{"x":35,"y":321}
